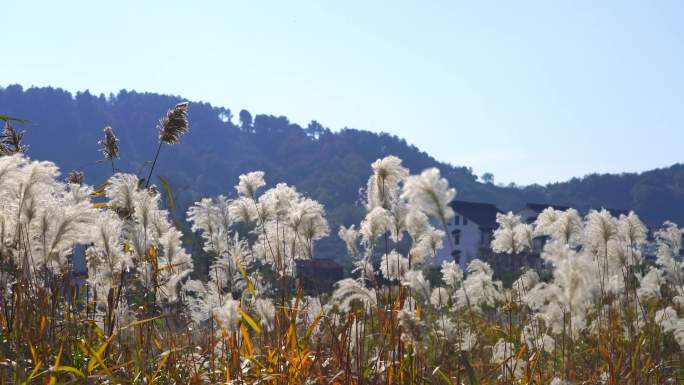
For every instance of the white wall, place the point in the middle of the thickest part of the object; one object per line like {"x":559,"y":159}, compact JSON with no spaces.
{"x":527,"y":213}
{"x":469,"y":245}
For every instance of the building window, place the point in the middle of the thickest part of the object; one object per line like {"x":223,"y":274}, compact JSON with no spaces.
{"x":457,"y":237}
{"x":465,"y":221}
{"x":457,"y":220}
{"x":485,"y":238}
{"x":456,"y":254}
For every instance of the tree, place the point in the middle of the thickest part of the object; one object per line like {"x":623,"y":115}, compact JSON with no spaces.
{"x":314,"y":129}
{"x":245,"y":120}
{"x":487,"y":178}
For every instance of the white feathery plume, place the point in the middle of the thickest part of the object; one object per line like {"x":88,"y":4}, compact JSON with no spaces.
{"x":526,"y":281}
{"x":428,"y":245}
{"x":568,"y":228}
{"x":578,"y":279}
{"x":536,"y":340}
{"x":280,"y":200}
{"x":202,"y":215}
{"x":228,"y":315}
{"x":213,"y":218}
{"x":365,"y":267}
{"x":668,"y":321}
{"x":173,"y":265}
{"x":631,"y":230}
{"x":452,"y":275}
{"x":10,"y":168}
{"x":540,"y":295}
{"x":376,"y":223}
{"x":417,"y":223}
{"x":447,"y":329}
{"x":562,"y":226}
{"x":431,"y":193}
{"x":146,"y":210}
{"x":512,"y":236}
{"x":546,"y":221}
{"x":249,"y":184}
{"x":393,"y":266}
{"x":122,"y":193}
{"x":243,"y":210}
{"x":52,"y":216}
{"x":479,"y":288}
{"x":383,"y":184}
{"x":195,"y":298}
{"x":60,"y":225}
{"x":416,"y":281}
{"x":349,"y":290}
{"x":599,"y":229}
{"x":554,"y":318}
{"x":350,"y":236}
{"x":557,"y":251}
{"x":266,"y":311}
{"x":669,"y":243}
{"x":224,"y":272}
{"x":307,"y":219}
{"x":412,"y":328}
{"x":666,"y":318}
{"x":398,"y":213}
{"x":650,"y":284}
{"x":439,"y":297}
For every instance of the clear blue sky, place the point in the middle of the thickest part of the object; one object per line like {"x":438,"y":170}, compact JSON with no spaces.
{"x":530,"y":91}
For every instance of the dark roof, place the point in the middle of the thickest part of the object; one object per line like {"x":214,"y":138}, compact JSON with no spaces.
{"x":318,"y":263}
{"x":484,"y":214}
{"x":539,"y":207}
{"x":617,"y":212}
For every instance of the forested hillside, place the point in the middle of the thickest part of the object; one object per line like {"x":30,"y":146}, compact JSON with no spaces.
{"x":329,"y":164}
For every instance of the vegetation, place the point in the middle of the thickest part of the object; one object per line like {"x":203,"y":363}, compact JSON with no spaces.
{"x":329,"y":165}
{"x":603,"y":315}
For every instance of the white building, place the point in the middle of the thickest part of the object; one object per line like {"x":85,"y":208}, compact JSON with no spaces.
{"x":469,"y":233}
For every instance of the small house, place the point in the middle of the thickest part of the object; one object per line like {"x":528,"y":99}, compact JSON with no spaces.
{"x":318,"y":274}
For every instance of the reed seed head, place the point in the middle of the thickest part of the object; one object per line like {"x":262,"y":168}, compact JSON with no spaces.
{"x":110,"y":144}
{"x":174,"y":125}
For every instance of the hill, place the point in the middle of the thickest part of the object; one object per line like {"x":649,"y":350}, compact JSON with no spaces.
{"x":329,"y":165}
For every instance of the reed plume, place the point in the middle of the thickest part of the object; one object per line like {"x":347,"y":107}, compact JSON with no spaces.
{"x":76,"y":177}
{"x":10,"y":141}
{"x":171,"y":128}
{"x":174,"y":125}
{"x":109,"y":146}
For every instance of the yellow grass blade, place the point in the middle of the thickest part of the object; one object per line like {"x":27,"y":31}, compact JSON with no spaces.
{"x":39,"y":364}
{"x":248,"y":341}
{"x":70,"y":369}
{"x":142,"y":321}
{"x":313,"y":325}
{"x":98,"y":353}
{"x":53,"y":377}
{"x":95,"y":359}
{"x":255,"y":326}
{"x":165,"y":356}
{"x":250,"y":286}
